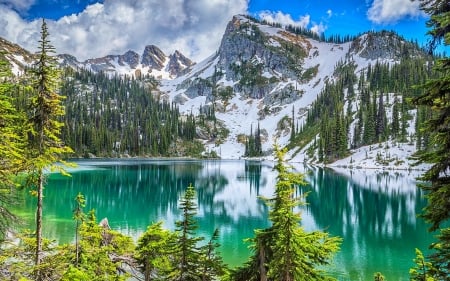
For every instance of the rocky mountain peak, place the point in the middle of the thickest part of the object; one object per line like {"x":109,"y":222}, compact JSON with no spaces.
{"x":178,"y":63}
{"x":153,"y":57}
{"x":130,"y":58}
{"x":384,"y":45}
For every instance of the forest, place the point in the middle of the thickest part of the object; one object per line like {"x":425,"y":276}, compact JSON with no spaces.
{"x":33,"y":126}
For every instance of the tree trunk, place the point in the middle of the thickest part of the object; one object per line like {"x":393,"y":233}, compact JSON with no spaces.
{"x":147,"y":271}
{"x":40,"y":190}
{"x":77,"y":250}
{"x":262,"y":261}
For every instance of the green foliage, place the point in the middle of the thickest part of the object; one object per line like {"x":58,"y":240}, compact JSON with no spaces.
{"x":79,"y":217}
{"x":310,"y":73}
{"x":212,"y":265}
{"x":331,"y":116}
{"x":102,"y":251}
{"x":422,"y":269}
{"x":44,"y":147}
{"x":440,"y":257}
{"x":378,"y":277}
{"x":17,"y":262}
{"x":250,"y":74}
{"x":285,"y":251}
{"x":186,"y":252}
{"x":11,"y":146}
{"x":253,"y":146}
{"x":436,"y":97}
{"x":116,"y":116}
{"x":153,"y":252}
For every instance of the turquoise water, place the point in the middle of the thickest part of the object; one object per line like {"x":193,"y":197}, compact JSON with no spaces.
{"x":375,"y":213}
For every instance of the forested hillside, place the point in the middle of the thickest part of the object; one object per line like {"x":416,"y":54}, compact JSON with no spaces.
{"x":117,"y":116}
{"x":365,"y":108}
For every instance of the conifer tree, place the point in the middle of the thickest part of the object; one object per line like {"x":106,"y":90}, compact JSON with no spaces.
{"x":437,"y":97}
{"x":45,"y":147}
{"x":212,"y":263}
{"x":11,"y":145}
{"x":153,"y":252}
{"x":187,"y":254}
{"x":79,"y":217}
{"x":285,"y":251}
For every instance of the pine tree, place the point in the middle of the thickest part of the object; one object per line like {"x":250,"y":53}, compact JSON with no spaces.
{"x":153,"y":252}
{"x":437,"y":97}
{"x":45,"y":147}
{"x":212,"y":263}
{"x":11,"y":146}
{"x":423,"y":270}
{"x":285,"y":251}
{"x":395,"y":127}
{"x":79,"y":217}
{"x":187,"y":254}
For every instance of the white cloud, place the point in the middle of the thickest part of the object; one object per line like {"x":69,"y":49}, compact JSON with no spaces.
{"x":18,"y":5}
{"x":388,"y":11}
{"x":194,"y":27}
{"x":285,"y":19}
{"x":318,"y":28}
{"x":330,"y":13}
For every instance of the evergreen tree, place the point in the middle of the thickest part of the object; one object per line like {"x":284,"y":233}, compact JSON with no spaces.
{"x":212,"y":263}
{"x":437,"y":97}
{"x":395,"y":127}
{"x":79,"y":217}
{"x":11,"y":146}
{"x":423,"y":269}
{"x":285,"y":251}
{"x":187,"y":254}
{"x":153,"y":252}
{"x":102,"y":251}
{"x":44,"y":144}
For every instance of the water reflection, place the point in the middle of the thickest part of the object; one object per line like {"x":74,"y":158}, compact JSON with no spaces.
{"x":374,"y":213}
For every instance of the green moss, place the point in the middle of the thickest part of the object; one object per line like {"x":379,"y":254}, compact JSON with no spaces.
{"x":310,"y":73}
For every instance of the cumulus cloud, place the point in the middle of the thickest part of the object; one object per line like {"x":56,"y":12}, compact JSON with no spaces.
{"x":18,"y":5}
{"x":389,"y":11}
{"x":286,"y":19}
{"x":318,"y":28}
{"x":194,"y":27}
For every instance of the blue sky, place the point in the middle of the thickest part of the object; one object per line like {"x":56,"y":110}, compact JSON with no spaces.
{"x":90,"y":28}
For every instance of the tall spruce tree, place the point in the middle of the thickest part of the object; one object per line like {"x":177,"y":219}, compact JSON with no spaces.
{"x":285,"y":251}
{"x":44,"y":147}
{"x":437,"y":97}
{"x":187,"y":254}
{"x":11,"y":145}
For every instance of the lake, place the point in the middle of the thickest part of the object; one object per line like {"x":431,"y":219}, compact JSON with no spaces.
{"x":373,"y":211}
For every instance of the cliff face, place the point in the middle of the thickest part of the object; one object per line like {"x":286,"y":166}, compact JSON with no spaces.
{"x":152,"y":62}
{"x":384,"y":45}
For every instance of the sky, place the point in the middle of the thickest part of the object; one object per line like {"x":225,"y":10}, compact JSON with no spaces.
{"x":91,"y":28}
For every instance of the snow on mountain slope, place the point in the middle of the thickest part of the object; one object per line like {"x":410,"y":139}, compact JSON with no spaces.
{"x":259,"y":75}
{"x":244,"y":110}
{"x":18,"y":57}
{"x":152,"y":62}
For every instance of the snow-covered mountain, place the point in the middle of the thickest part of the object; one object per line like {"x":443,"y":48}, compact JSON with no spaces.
{"x":152,"y":61}
{"x":261,"y":76}
{"x":270,"y":72}
{"x":15,"y":55}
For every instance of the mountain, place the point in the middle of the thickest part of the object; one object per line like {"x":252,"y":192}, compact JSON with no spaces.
{"x":16,"y":55}
{"x":340,"y":101}
{"x":267,"y":78}
{"x":152,"y":61}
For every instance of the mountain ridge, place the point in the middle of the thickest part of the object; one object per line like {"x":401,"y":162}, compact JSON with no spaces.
{"x":262,"y":76}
